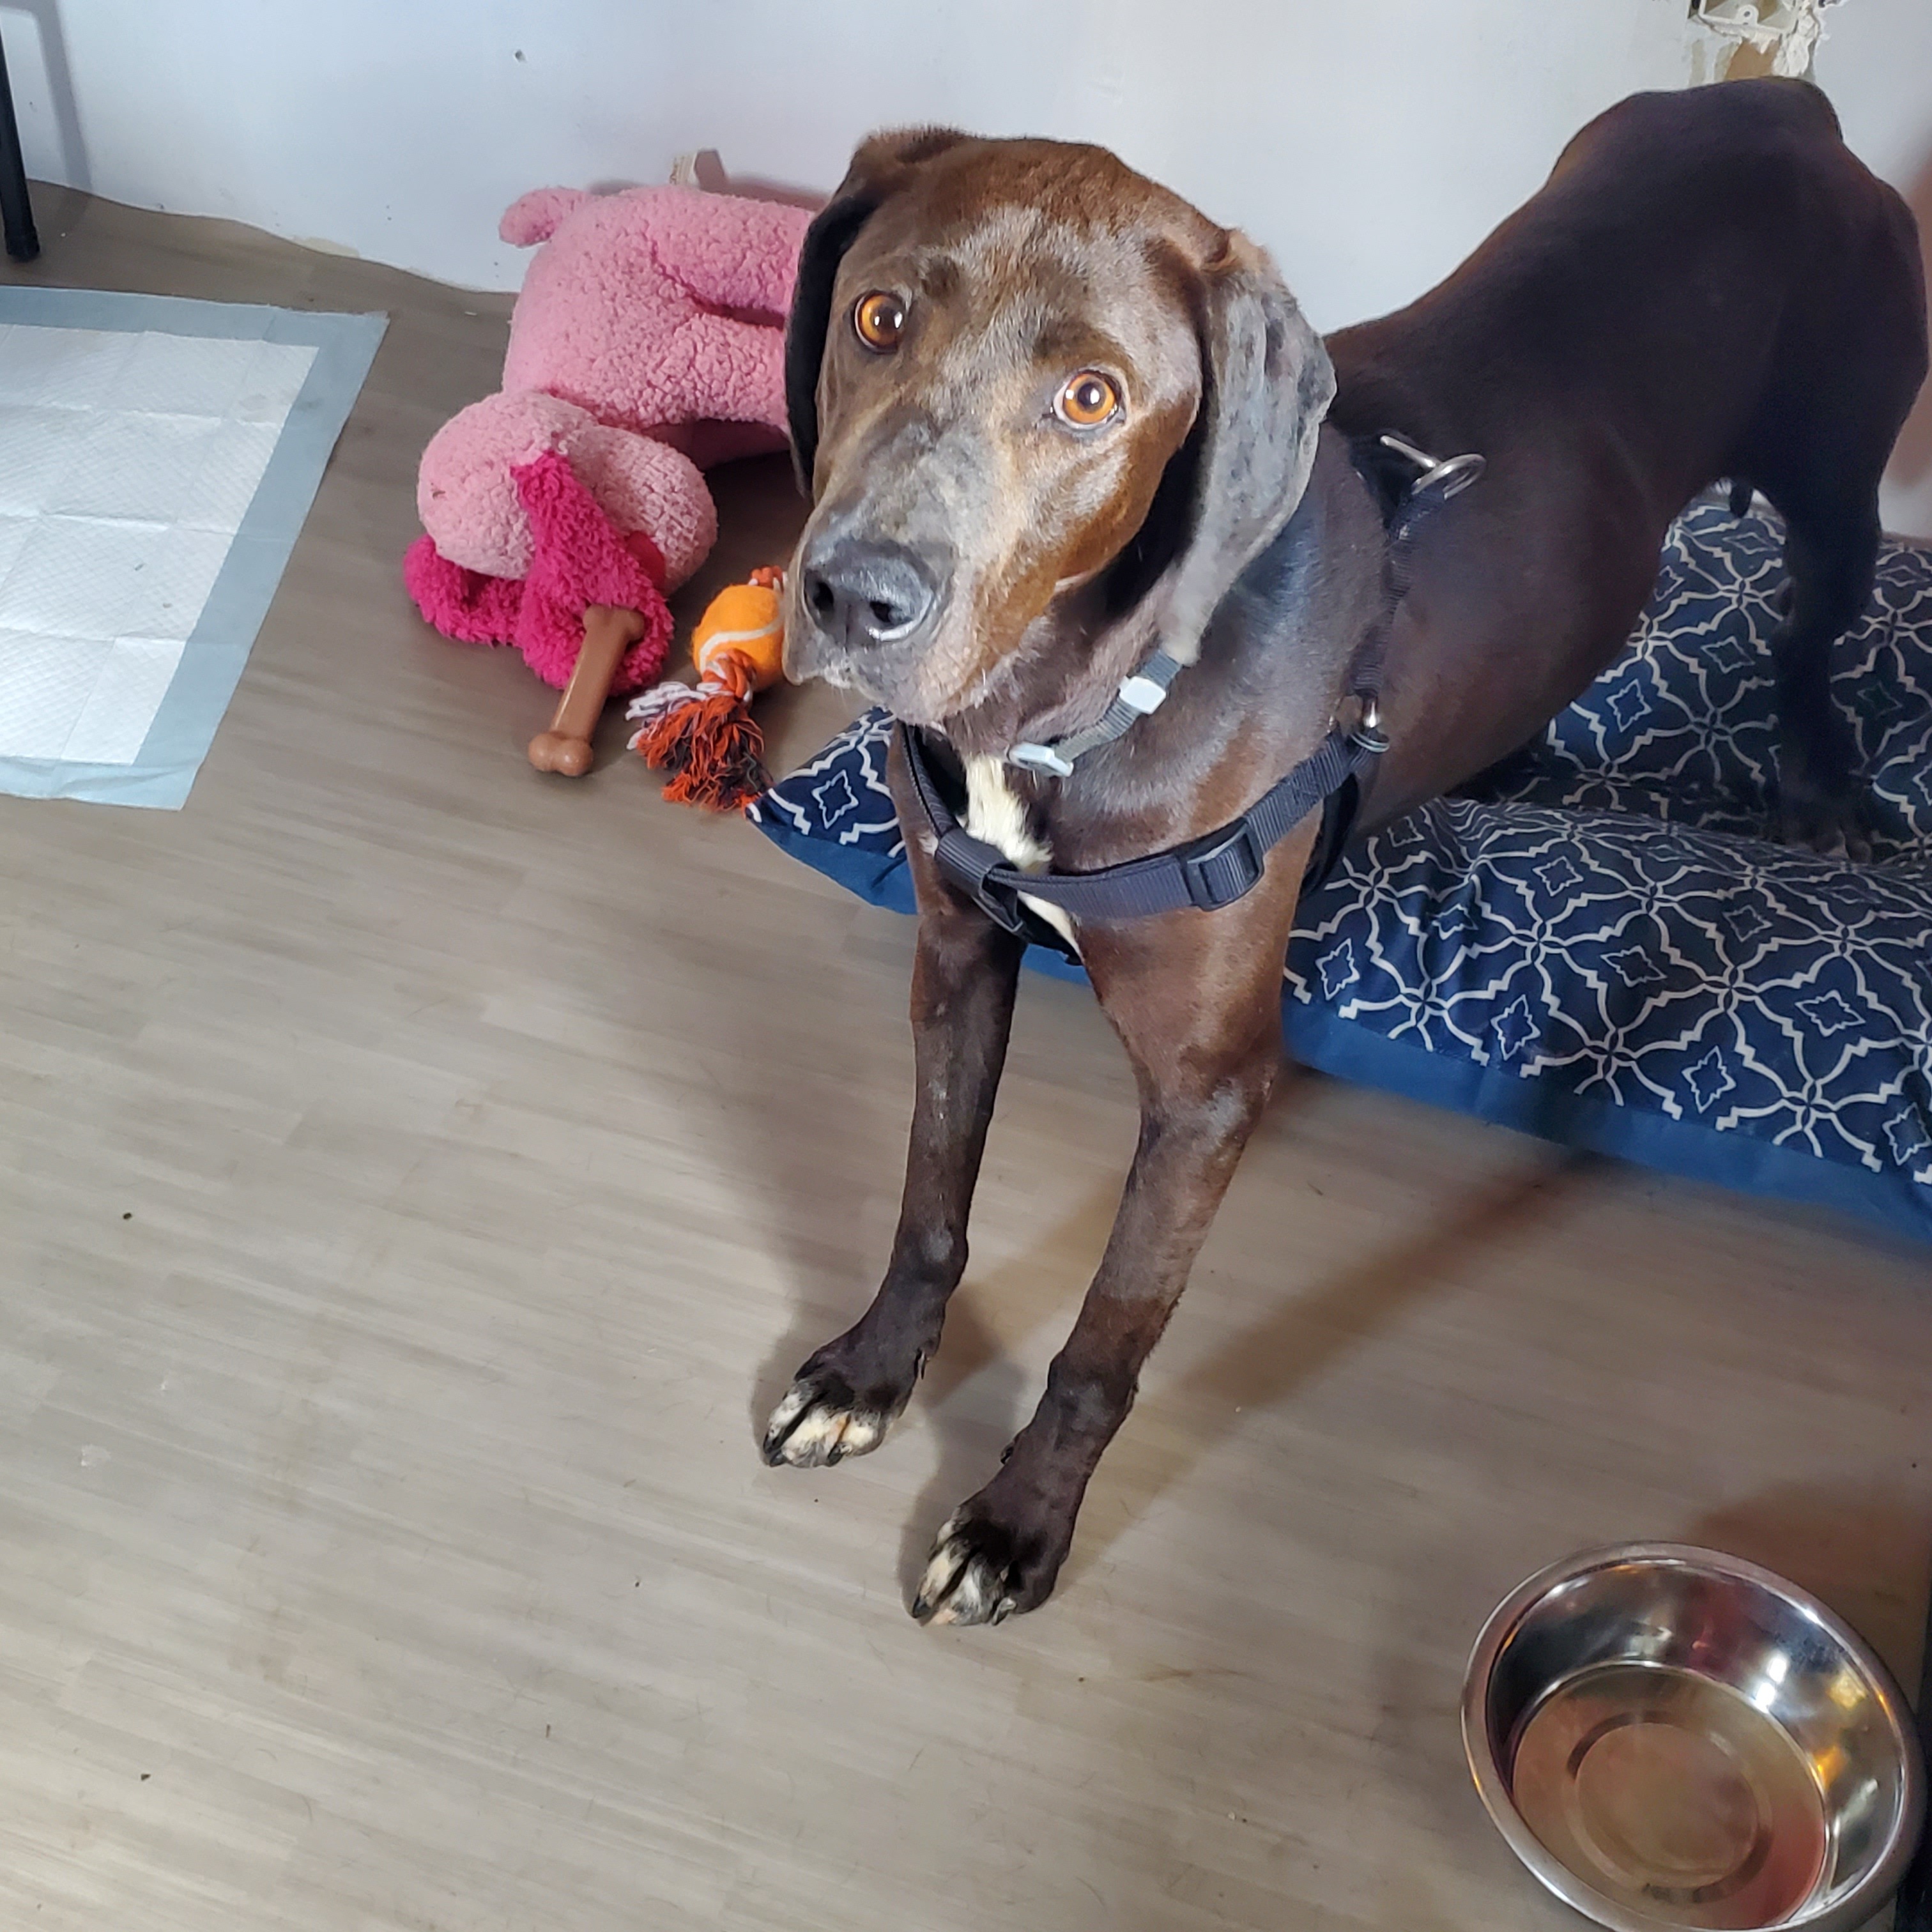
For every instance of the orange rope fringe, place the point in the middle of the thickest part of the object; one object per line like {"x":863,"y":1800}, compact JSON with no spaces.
{"x":710,"y":743}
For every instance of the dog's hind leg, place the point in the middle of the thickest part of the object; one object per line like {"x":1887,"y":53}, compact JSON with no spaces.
{"x":1831,"y":553}
{"x":848,"y":1395}
{"x":1849,"y":359}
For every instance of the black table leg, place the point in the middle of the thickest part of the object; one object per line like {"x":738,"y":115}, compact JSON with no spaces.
{"x":17,"y":211}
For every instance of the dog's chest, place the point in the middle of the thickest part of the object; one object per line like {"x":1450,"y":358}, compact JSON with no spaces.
{"x":997,"y":815}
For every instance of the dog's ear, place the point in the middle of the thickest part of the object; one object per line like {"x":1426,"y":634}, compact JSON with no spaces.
{"x":879,"y":169}
{"x":1266,"y":383}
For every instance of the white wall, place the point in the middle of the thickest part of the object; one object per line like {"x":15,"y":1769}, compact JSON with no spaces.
{"x":401,"y":128}
{"x":1369,"y":143}
{"x":1876,"y":65}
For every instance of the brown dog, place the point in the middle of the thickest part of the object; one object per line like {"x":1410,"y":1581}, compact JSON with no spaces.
{"x":1052,"y":418}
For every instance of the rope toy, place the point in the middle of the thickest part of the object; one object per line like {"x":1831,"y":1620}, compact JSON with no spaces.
{"x":703,"y":735}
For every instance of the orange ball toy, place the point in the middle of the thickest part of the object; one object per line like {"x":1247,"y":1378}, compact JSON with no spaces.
{"x":703,"y":735}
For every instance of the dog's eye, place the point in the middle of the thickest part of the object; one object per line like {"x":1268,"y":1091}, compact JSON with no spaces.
{"x":878,"y":320}
{"x":1088,"y":400}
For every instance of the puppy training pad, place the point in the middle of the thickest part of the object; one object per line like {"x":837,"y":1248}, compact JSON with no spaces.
{"x":159,"y":457}
{"x":1611,"y":952}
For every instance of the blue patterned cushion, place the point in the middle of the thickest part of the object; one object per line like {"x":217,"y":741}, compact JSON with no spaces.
{"x":1611,"y":953}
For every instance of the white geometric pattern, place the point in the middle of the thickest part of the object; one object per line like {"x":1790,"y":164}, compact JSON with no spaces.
{"x":1614,"y":922}
{"x":841,"y":795}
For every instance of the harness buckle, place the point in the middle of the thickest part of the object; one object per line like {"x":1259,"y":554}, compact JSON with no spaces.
{"x":1221,"y":867}
{"x":1142,"y":695}
{"x":1041,"y":758}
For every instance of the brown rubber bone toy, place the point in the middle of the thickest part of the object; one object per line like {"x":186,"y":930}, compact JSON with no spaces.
{"x":609,"y":631}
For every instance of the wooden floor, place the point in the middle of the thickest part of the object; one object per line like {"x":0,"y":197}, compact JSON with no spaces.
{"x":418,"y":1175}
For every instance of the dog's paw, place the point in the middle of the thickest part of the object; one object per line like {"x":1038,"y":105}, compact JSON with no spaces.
{"x":983,"y":1570}
{"x":1830,"y":827}
{"x":823,"y":1419}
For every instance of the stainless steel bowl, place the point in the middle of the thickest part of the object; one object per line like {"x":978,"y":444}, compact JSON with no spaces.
{"x":1668,"y":1737}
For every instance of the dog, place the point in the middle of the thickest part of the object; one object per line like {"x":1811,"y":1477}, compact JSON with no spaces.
{"x":1054,"y":421}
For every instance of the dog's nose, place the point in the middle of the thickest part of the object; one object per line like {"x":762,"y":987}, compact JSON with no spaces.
{"x":869,"y":593}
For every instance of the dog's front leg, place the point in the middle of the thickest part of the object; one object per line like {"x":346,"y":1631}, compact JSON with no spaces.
{"x":1196,"y":1000}
{"x":847,"y":1396}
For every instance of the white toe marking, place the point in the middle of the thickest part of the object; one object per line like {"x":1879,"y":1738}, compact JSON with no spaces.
{"x":818,"y":1433}
{"x":940,"y":1566}
{"x":823,"y":1431}
{"x":795,"y":1399}
{"x":970,"y":1600}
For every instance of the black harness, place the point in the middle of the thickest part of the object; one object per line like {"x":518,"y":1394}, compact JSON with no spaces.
{"x":1225,"y":865}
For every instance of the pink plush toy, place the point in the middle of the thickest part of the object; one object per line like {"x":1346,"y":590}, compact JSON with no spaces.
{"x":648,"y":340}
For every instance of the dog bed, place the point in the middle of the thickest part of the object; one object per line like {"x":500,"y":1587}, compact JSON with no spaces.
{"x":1606,"y":950}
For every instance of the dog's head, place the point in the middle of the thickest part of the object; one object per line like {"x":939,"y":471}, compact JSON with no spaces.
{"x":1018,"y":372}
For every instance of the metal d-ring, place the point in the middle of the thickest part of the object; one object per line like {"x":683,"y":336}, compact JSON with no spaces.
{"x":1447,"y":476}
{"x":1368,"y":728}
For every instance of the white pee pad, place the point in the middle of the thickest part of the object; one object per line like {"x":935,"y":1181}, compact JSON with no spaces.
{"x":129,"y":462}
{"x":134,"y":454}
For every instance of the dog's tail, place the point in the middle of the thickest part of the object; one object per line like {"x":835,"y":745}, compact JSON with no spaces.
{"x":1742,"y":493}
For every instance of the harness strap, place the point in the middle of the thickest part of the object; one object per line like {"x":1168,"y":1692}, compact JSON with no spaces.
{"x":1226,"y":864}
{"x":1145,"y":691}
{"x":1208,"y":872}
